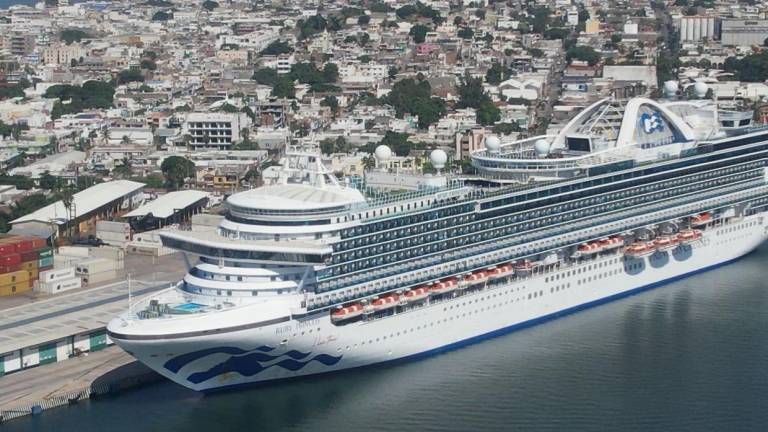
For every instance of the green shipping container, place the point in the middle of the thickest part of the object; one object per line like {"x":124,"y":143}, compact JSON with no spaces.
{"x":45,"y":262}
{"x":2,"y":366}
{"x":98,"y":340}
{"x":45,"y":253}
{"x":47,"y":353}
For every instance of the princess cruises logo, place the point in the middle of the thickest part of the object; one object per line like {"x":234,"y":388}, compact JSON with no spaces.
{"x":652,"y":122}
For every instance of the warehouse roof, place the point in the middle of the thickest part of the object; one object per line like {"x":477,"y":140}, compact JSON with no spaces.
{"x":84,"y":201}
{"x":166,"y":205}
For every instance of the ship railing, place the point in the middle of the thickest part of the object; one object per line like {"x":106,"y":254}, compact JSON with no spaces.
{"x":519,"y":249}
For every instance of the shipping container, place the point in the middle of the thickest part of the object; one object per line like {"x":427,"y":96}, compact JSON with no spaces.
{"x":45,"y":253}
{"x":32,"y":255}
{"x":115,"y":227}
{"x":47,"y":353}
{"x":98,"y":277}
{"x":57,"y":286}
{"x":15,"y":288}
{"x":98,"y":340}
{"x":10,"y":259}
{"x":9,"y":269}
{"x":57,"y":274}
{"x":13,"y":277}
{"x":45,"y":263}
{"x":38,"y":242}
{"x":23,"y":245}
{"x":6,"y":249}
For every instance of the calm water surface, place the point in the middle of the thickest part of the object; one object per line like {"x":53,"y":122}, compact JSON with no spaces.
{"x":689,"y":356}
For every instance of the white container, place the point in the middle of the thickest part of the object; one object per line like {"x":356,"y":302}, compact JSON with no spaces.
{"x":55,"y":287}
{"x":109,"y":226}
{"x":57,"y":274}
{"x":112,"y":253}
{"x":74,"y":251}
{"x":108,"y":236}
{"x":94,"y":278}
{"x":94,"y":266}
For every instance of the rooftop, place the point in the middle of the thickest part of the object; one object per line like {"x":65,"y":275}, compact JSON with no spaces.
{"x":84,"y":201}
{"x":166,"y":205}
{"x":296,"y":197}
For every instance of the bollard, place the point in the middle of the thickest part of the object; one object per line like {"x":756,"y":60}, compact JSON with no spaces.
{"x":36,"y":410}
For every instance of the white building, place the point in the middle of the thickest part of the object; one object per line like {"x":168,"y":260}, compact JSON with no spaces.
{"x":695,"y":28}
{"x":214,"y":130}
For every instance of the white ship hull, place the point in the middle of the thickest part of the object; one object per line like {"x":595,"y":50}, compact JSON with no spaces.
{"x":314,"y":345}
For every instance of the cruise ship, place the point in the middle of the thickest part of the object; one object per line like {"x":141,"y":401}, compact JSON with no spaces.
{"x":310,"y":275}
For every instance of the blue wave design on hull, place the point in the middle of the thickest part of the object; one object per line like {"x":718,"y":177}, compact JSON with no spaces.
{"x":249,"y":365}
{"x":175,"y":364}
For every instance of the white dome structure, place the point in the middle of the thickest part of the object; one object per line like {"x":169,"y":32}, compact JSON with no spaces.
{"x":438,"y":159}
{"x":382,"y":153}
{"x":541,"y":147}
{"x":492,"y":143}
{"x":670,"y":88}
{"x":700,"y":89}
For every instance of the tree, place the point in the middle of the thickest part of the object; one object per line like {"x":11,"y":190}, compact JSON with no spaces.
{"x":162,"y":16}
{"x":419,"y":33}
{"x":176,"y":170}
{"x":616,"y":38}
{"x":48,"y":182}
{"x":148,"y":64}
{"x":129,"y":75}
{"x":276,"y":48}
{"x":465,"y":33}
{"x":398,"y":142}
{"x":487,"y":114}
{"x":364,"y":39}
{"x":506,"y":128}
{"x":471,"y":93}
{"x":265,"y":76}
{"x":284,"y":88}
{"x":365,"y":58}
{"x":331,"y":72}
{"x":306,"y":73}
{"x":123,"y":170}
{"x":73,"y":35}
{"x":332,"y":103}
{"x":152,"y":181}
{"x":311,"y":26}
{"x":363,"y":20}
{"x":495,"y":74}
{"x":583,"y":53}
{"x":415,"y":97}
{"x":210,"y":5}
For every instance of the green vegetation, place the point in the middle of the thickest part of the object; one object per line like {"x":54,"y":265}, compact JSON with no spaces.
{"x":12,"y":130}
{"x":472,"y":95}
{"x":21,"y":182}
{"x":73,"y":35}
{"x":332,"y":103}
{"x":153,"y":181}
{"x":284,"y":88}
{"x":93,"y":94}
{"x":210,"y":5}
{"x":331,"y":72}
{"x":419,"y":33}
{"x":506,"y":128}
{"x":276,"y":48}
{"x":363,"y":20}
{"x":398,"y":142}
{"x":265,"y":76}
{"x":148,"y":64}
{"x":583,"y":53}
{"x":162,"y":16}
{"x":176,"y":169}
{"x":465,"y":33}
{"x":496,"y":74}
{"x":751,"y":68}
{"x":129,"y":75}
{"x":11,"y":92}
{"x":419,"y":10}
{"x":338,"y":145}
{"x":415,"y":97}
{"x":311,"y":26}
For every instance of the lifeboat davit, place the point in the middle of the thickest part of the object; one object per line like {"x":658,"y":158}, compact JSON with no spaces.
{"x":347,"y":312}
{"x":612,"y":242}
{"x":524,"y":267}
{"x":444,"y":286}
{"x":701,"y":219}
{"x":586,"y":249}
{"x":501,"y":271}
{"x":640,"y":249}
{"x":385,"y":302}
{"x":415,"y":294}
{"x":665,"y":243}
{"x":688,"y":236}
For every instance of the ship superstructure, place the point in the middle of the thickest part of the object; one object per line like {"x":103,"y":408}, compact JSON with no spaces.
{"x":307,"y":275}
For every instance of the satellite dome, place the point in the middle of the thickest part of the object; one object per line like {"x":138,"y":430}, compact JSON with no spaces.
{"x":382,"y":153}
{"x":700,"y":89}
{"x":438,"y":158}
{"x":670,"y":88}
{"x":541,"y":147}
{"x":492,"y":143}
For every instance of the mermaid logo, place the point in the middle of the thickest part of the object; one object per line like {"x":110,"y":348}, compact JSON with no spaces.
{"x":246,"y":362}
{"x":652,"y":122}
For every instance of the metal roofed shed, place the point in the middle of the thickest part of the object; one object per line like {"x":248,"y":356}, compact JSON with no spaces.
{"x":173,"y":207}
{"x":101,"y":201}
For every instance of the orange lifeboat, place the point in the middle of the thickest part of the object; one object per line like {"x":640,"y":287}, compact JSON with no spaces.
{"x":640,"y":249}
{"x":587,"y":249}
{"x":444,"y":286}
{"x":387,"y":301}
{"x":476,"y":277}
{"x":665,"y":243}
{"x":701,"y":219}
{"x":347,"y":312}
{"x":688,"y":236}
{"x":416,"y":294}
{"x":501,"y":271}
{"x":612,"y":242}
